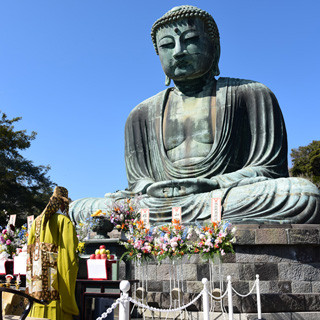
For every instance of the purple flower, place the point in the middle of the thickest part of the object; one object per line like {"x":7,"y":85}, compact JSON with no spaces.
{"x":8,"y":242}
{"x":2,"y":239}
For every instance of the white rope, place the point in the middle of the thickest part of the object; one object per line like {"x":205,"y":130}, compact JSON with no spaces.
{"x":109,"y":310}
{"x":218,"y":298}
{"x":245,"y":295}
{"x":141,"y":305}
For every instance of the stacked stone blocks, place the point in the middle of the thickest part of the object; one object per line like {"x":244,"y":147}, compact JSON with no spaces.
{"x":286,"y":257}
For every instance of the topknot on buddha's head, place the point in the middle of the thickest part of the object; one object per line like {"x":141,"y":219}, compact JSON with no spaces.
{"x":185,"y":12}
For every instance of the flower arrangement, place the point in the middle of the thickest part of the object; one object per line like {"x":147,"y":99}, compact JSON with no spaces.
{"x":140,"y":243}
{"x":214,"y":238}
{"x":172,"y":241}
{"x":83,"y":228}
{"x":124,"y":213}
{"x":8,"y":242}
{"x":22,"y":234}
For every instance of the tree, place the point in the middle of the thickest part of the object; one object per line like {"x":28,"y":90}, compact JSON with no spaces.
{"x":306,"y":162}
{"x":25,"y":188}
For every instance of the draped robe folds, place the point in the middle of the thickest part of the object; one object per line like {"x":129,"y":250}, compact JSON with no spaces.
{"x":248,"y":159}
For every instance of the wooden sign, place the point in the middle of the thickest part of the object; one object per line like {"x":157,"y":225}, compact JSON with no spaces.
{"x":30,"y":220}
{"x":176,"y":214}
{"x":144,"y":216}
{"x":215,"y":209}
{"x":12,"y":219}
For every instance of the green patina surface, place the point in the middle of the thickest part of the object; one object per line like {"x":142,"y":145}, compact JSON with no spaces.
{"x":207,"y":138}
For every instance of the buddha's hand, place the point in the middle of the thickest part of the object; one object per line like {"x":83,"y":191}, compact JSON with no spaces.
{"x":179,"y":188}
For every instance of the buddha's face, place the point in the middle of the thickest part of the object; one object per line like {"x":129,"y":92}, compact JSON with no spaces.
{"x":185,"y":49}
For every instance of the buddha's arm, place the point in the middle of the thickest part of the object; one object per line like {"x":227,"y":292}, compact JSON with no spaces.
{"x":184,"y":187}
{"x":265,"y":138}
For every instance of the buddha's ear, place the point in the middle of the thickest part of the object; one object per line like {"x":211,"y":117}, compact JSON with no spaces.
{"x":167,"y":82}
{"x":215,"y":67}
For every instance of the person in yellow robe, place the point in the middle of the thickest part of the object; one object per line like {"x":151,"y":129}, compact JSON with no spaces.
{"x":52,"y":264}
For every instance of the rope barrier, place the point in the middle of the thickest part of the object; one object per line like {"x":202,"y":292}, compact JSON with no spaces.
{"x":109,"y":310}
{"x":218,"y":298}
{"x":245,"y":295}
{"x":125,"y":299}
{"x":141,"y":305}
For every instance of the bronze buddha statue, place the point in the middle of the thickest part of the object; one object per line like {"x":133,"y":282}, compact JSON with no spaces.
{"x":207,"y":137}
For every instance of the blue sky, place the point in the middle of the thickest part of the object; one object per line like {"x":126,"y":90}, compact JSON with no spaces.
{"x":73,"y":69}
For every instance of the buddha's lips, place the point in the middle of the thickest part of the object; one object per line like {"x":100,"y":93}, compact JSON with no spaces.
{"x":181,"y":64}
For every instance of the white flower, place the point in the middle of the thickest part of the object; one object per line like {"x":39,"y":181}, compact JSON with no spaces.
{"x":174,"y":245}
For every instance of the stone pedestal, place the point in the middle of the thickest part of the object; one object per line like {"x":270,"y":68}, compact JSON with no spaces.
{"x":286,"y":257}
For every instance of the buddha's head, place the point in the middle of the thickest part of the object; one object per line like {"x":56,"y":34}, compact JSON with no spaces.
{"x":186,"y":39}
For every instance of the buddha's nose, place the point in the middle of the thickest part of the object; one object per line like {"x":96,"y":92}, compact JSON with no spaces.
{"x":179,"y":51}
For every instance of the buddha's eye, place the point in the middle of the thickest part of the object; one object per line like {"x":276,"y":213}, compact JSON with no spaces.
{"x":191,"y":37}
{"x":166,"y":44}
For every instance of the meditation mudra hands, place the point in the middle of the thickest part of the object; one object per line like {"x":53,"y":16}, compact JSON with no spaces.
{"x":182,"y":187}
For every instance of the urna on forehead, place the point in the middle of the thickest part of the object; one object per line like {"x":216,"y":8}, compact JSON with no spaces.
{"x":185,"y":12}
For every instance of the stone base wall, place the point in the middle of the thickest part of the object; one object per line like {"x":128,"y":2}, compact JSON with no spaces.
{"x":286,"y":257}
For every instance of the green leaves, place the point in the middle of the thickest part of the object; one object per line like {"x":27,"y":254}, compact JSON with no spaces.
{"x":306,"y":162}
{"x":24,"y":188}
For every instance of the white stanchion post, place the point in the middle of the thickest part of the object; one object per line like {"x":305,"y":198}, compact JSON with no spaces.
{"x":205,"y":299}
{"x":124,"y":311}
{"x":258,"y":296}
{"x":230,"y":303}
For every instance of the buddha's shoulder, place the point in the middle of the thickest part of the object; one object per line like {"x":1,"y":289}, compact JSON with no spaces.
{"x":148,"y":104}
{"x":242,"y":85}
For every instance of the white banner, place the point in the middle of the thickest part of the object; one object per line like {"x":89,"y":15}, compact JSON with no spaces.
{"x":176,"y":214}
{"x":144,"y":216}
{"x":216,"y":210}
{"x":30,"y":220}
{"x":12,"y":219}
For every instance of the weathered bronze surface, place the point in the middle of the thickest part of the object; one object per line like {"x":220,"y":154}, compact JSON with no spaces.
{"x":206,"y":138}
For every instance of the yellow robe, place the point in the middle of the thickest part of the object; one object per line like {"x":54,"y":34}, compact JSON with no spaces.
{"x":60,"y":231}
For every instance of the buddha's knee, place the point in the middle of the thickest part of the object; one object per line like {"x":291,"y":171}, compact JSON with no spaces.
{"x":82,"y":209}
{"x":302,"y":186}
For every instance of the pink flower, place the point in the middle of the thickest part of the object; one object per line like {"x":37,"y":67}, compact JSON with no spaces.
{"x":4,"y":231}
{"x":8,"y":242}
{"x":209,"y":243}
{"x":174,"y":239}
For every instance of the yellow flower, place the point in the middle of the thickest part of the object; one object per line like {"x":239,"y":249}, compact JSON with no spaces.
{"x":80,"y":247}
